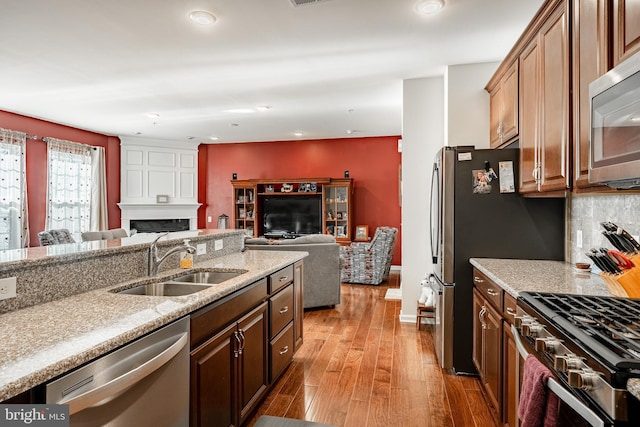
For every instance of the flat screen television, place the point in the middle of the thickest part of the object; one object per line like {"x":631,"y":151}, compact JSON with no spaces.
{"x":292,"y":215}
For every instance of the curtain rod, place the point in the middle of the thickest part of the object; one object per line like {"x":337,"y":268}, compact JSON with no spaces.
{"x":47,"y":139}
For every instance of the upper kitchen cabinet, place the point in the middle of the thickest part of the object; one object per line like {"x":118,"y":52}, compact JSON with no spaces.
{"x":503,"y":99}
{"x":626,"y":29}
{"x":544,"y":106}
{"x":591,"y":59}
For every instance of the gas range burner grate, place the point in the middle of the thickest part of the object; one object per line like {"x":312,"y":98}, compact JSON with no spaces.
{"x":608,"y":327}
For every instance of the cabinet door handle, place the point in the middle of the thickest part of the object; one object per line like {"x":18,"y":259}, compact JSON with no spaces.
{"x":476,"y":279}
{"x":481,"y":316}
{"x":492,"y":292}
{"x":238,"y":351}
{"x":284,"y":350}
{"x":510,"y":312}
{"x":283,"y":278}
{"x":284,"y":309}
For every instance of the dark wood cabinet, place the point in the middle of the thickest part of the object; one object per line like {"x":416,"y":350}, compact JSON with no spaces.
{"x":487,"y":348}
{"x":544,"y":106}
{"x":229,"y":372}
{"x":510,"y":360}
{"x":241,"y":344}
{"x":591,"y":59}
{"x":298,"y":295}
{"x":626,"y":29}
{"x":494,"y":351}
{"x":503,"y":110}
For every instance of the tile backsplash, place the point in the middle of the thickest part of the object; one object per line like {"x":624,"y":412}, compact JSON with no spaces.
{"x":588,"y":211}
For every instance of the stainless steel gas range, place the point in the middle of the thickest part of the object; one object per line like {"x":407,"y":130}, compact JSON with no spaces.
{"x":592,"y":345}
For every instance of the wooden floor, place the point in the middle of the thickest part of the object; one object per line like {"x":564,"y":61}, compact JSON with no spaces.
{"x":359,"y":366}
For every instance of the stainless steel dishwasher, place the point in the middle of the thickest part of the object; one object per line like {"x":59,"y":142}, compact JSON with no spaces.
{"x":144,"y":383}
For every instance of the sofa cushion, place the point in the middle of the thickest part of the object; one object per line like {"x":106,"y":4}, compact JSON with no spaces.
{"x":308,"y":239}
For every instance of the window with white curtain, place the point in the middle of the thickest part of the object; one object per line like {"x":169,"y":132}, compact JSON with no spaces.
{"x":69,"y":186}
{"x":14,"y":230}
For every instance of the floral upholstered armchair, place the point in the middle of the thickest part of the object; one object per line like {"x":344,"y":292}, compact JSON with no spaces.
{"x":368,"y":263}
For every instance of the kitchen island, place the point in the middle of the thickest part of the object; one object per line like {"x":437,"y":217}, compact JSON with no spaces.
{"x":45,"y":340}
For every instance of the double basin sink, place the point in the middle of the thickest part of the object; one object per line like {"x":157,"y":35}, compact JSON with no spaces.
{"x":186,"y":284}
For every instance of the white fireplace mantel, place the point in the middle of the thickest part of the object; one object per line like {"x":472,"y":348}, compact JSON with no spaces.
{"x":152,"y":170}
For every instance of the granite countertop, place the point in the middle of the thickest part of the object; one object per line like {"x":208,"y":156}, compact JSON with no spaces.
{"x":46,"y":340}
{"x":519,"y":275}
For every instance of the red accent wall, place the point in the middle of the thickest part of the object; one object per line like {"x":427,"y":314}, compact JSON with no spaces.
{"x":373,"y":163}
{"x":37,"y":165}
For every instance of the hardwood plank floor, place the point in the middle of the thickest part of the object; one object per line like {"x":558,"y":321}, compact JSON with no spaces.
{"x":359,"y":366}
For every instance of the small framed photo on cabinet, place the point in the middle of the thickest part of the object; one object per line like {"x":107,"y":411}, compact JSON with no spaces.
{"x":362,"y":233}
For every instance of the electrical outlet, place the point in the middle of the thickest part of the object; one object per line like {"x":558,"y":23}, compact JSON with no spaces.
{"x":579,"y":239}
{"x":217,"y":245}
{"x":209,"y":219}
{"x":201,"y":249}
{"x":7,"y":288}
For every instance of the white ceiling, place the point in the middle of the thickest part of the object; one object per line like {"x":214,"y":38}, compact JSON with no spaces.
{"x":323,"y":68}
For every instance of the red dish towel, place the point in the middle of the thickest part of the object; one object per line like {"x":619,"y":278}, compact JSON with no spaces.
{"x":538,"y":405}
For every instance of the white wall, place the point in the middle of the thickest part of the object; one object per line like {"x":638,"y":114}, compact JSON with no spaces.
{"x":422,"y":136}
{"x":467,"y":112}
{"x":448,"y":110}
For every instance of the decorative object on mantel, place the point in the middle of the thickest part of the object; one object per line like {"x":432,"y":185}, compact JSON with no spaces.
{"x":162,"y":198}
{"x":269,"y":188}
{"x":287,"y":188}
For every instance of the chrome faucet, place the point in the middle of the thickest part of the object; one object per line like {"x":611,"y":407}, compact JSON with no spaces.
{"x":155,"y":260}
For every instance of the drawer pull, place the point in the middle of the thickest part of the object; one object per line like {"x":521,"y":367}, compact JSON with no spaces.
{"x":284,"y":309}
{"x":492,"y":292}
{"x":476,"y":279}
{"x":284,"y":350}
{"x":510,"y":311}
{"x":283,"y":278}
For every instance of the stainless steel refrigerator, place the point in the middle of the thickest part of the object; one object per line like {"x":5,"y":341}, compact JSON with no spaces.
{"x":477,"y":212}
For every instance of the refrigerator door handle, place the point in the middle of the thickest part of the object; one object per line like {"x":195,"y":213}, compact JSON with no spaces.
{"x":435,"y":188}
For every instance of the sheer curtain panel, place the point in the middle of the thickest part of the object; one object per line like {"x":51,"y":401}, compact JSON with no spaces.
{"x":69,"y":186}
{"x":14,"y":224}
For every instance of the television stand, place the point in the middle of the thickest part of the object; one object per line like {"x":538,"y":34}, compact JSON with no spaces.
{"x":334,"y":194}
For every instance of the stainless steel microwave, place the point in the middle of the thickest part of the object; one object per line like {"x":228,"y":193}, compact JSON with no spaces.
{"x":614,"y":147}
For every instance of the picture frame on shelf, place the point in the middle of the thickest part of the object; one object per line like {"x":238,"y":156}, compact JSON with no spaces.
{"x":340,"y":231}
{"x":362,"y":233}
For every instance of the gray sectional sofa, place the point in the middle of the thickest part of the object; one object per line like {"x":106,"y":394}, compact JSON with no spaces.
{"x":321,"y":267}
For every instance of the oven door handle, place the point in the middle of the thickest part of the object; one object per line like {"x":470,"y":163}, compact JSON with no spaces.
{"x":583,"y":410}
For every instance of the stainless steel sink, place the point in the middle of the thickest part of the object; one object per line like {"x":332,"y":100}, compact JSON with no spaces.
{"x":166,"y":289}
{"x":186,"y":284}
{"x":209,"y":277}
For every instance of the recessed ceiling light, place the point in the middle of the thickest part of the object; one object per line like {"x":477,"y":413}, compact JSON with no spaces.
{"x":263,"y":108}
{"x":153,"y":115}
{"x":214,"y":138}
{"x":429,"y":7}
{"x":298,"y":133}
{"x":635,"y":119}
{"x":202,"y":17}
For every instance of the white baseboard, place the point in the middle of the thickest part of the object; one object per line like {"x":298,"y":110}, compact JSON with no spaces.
{"x":396,"y":267}
{"x":411,"y":318}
